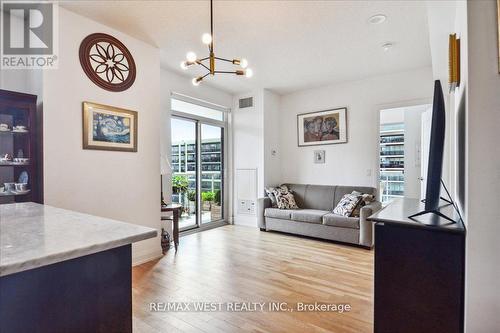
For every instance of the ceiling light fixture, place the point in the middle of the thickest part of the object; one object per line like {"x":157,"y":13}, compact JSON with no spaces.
{"x":377,"y":19}
{"x":208,"y":39}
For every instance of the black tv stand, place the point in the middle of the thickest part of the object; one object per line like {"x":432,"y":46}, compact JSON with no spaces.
{"x":437,"y":211}
{"x":419,"y":269}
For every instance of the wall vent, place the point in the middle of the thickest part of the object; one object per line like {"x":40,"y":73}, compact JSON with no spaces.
{"x":246,"y":102}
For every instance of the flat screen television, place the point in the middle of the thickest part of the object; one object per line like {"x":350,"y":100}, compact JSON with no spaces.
{"x":435,"y":166}
{"x":435,"y":162}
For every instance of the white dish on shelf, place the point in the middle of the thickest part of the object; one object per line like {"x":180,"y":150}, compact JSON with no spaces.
{"x":20,"y":192}
{"x":20,"y":131}
{"x":20,"y":160}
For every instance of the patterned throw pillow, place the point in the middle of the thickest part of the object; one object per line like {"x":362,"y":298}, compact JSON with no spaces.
{"x":366,"y":199}
{"x":284,"y":198}
{"x":347,"y":204}
{"x":270,"y":195}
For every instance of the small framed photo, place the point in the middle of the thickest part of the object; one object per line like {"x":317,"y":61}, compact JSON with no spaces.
{"x":322,"y":127}
{"x":109,"y":128}
{"x":319,"y":156}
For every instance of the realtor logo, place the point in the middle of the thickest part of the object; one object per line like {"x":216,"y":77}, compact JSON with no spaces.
{"x":28,"y":35}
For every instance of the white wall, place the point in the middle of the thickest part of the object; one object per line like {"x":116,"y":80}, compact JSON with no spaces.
{"x":458,"y":106}
{"x":248,"y":147}
{"x":483,"y":173}
{"x":356,"y":162}
{"x":118,"y":185}
{"x":272,"y":135}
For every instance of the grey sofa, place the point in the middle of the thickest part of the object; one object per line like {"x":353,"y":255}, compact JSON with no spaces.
{"x":315,"y":217}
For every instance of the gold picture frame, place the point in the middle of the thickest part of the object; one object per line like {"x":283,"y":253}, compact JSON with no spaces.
{"x":109,"y":128}
{"x":454,"y":62}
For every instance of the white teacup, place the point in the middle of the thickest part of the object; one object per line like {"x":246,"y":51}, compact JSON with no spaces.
{"x":4,"y":126}
{"x":21,"y":186}
{"x":9,"y":186}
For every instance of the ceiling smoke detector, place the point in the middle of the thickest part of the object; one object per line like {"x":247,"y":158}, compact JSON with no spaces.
{"x":387,"y":46}
{"x":377,"y":19}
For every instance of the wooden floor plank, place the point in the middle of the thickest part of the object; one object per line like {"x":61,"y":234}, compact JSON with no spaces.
{"x":242,"y":264}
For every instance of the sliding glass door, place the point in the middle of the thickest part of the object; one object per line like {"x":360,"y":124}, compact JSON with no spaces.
{"x":184,"y":170}
{"x":198,"y":163}
{"x":212,"y":158}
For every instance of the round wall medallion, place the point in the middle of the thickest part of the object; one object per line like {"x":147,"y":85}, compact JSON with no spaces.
{"x":107,"y":62}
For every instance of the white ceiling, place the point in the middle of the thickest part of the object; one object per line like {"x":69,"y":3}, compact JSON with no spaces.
{"x":290,"y":45}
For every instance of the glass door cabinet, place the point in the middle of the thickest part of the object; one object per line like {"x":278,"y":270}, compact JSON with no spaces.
{"x":20,"y":148}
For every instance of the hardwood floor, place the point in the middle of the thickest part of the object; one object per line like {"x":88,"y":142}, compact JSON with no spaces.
{"x":241,"y":264}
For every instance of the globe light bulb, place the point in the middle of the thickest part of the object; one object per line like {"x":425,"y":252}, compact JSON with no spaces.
{"x":191,"y":56}
{"x":248,"y":72}
{"x":244,"y":63}
{"x":195,"y":82}
{"x":184,"y":65}
{"x":206,"y":38}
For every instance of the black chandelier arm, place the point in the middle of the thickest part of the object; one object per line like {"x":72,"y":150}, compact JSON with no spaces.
{"x":204,"y":76}
{"x":203,"y":59}
{"x":226,"y":72}
{"x":223,"y":59}
{"x":202,"y":64}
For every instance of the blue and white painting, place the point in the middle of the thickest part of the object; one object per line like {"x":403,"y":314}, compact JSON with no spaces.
{"x":111,"y":128}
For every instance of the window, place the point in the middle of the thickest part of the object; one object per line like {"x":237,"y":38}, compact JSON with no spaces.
{"x":198,"y":132}
{"x":196,"y":110}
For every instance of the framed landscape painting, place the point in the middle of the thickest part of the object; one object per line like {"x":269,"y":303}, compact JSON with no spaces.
{"x":322,"y":127}
{"x":109,"y":128}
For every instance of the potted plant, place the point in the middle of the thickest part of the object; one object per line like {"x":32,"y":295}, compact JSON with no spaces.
{"x":206,"y":200}
{"x":192,"y":201}
{"x":180,"y":185}
{"x":216,"y":208}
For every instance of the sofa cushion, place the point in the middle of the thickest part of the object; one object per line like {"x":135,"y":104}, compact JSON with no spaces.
{"x":299,"y":191}
{"x":335,"y":220}
{"x":277,"y":213}
{"x":309,"y":215}
{"x":319,"y":197}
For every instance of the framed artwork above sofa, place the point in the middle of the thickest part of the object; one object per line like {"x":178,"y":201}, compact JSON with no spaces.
{"x":322,"y":127}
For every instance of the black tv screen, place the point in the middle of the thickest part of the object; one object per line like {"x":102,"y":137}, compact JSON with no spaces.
{"x":435,"y":167}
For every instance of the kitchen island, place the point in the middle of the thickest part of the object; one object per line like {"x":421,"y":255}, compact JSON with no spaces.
{"x":63,"y":271}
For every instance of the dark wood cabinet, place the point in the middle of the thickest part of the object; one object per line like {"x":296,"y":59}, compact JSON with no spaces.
{"x":20,"y":147}
{"x":419,"y":272}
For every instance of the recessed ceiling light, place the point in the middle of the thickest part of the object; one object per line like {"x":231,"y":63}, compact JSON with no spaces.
{"x":387,"y":46}
{"x":377,"y":19}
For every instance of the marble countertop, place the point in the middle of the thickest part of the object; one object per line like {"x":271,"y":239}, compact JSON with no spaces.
{"x":34,"y":235}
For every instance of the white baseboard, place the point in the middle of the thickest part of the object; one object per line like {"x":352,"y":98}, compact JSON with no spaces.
{"x":141,"y":259}
{"x":246,"y":220}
